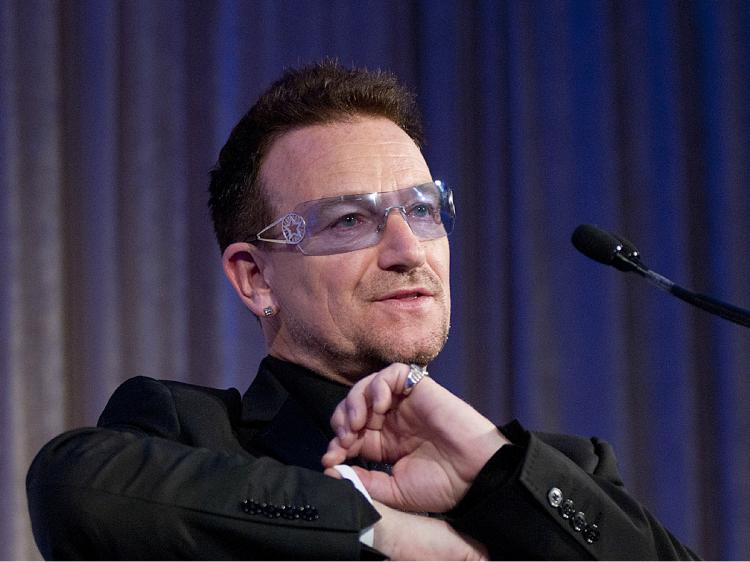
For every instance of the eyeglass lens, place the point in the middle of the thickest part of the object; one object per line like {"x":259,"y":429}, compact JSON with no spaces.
{"x":352,"y":222}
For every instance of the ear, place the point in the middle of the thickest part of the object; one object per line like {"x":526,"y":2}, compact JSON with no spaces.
{"x":244,"y":265}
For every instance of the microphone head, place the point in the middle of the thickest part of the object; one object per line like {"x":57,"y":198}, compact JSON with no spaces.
{"x":606,"y":248}
{"x":628,"y":249}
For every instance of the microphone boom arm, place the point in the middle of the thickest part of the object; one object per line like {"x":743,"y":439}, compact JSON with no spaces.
{"x":620,"y":253}
{"x":709,"y":304}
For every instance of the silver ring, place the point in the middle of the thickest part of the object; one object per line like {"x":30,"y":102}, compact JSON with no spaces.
{"x":416,"y":374}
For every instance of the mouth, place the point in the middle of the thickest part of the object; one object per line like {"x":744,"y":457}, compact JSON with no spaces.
{"x":406,"y":295}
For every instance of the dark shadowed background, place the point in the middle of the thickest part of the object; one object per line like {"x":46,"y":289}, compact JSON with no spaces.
{"x":542,"y":115}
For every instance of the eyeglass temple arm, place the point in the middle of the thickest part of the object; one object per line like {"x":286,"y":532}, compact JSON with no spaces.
{"x":260,"y":238}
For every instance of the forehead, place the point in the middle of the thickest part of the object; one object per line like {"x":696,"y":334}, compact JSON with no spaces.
{"x":361,"y":156}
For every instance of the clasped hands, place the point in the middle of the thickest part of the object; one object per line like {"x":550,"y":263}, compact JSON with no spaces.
{"x":436,"y":444}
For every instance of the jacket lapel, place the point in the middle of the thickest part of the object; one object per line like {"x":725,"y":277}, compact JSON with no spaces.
{"x":275,"y":424}
{"x":292,"y":438}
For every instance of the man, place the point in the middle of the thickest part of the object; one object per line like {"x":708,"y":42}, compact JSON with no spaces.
{"x":334,"y":234}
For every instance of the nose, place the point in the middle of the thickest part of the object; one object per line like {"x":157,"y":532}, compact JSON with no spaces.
{"x":399,"y":249}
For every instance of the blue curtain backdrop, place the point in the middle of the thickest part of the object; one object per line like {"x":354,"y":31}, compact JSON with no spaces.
{"x":542,"y":115}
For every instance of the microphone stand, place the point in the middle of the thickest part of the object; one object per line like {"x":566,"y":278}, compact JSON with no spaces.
{"x":610,"y":249}
{"x":709,"y":304}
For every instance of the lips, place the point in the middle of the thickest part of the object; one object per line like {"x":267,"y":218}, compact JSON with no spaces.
{"x":417,"y":286}
{"x":406,"y":294}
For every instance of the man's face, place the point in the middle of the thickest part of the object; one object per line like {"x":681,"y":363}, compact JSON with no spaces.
{"x":346,"y":315}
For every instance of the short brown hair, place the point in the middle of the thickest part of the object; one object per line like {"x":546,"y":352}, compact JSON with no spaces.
{"x":320,"y":93}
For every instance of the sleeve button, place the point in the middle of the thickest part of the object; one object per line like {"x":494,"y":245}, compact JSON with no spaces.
{"x":555,"y":497}
{"x":567,"y":509}
{"x":579,"y":521}
{"x":591,"y":533}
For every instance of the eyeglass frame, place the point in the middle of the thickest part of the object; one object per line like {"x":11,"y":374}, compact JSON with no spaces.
{"x":294,"y":228}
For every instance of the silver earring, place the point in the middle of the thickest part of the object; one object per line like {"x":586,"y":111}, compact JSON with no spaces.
{"x":268,"y":311}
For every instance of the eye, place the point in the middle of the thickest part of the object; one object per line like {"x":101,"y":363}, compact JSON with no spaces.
{"x":347,"y":221}
{"x":421,"y":211}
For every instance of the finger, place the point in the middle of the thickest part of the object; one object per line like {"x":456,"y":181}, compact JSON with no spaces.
{"x":331,"y":459}
{"x":394,"y":378}
{"x":356,"y":411}
{"x":350,"y":412}
{"x":385,"y":390}
{"x":382,"y":487}
{"x":356,"y":404}
{"x":340,"y":421}
{"x":379,"y":398}
{"x":379,"y":395}
{"x":336,"y":454}
{"x":333,"y":473}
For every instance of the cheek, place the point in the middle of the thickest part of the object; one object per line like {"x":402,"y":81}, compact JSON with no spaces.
{"x":439,"y":260}
{"x":295,"y":281}
{"x":332,"y":279}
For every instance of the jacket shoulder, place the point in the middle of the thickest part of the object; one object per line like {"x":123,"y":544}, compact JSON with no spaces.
{"x":190,"y":413}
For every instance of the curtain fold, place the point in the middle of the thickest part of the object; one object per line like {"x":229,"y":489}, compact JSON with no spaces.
{"x":631,"y":115}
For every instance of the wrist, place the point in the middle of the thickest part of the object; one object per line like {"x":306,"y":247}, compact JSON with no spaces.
{"x":407,"y":536}
{"x":383,"y":537}
{"x":478,"y":448}
{"x":487,"y":445}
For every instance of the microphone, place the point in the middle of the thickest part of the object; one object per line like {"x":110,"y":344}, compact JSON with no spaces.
{"x":611,"y":249}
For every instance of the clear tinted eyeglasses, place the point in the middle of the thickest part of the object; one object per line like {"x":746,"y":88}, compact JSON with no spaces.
{"x":334,"y":225}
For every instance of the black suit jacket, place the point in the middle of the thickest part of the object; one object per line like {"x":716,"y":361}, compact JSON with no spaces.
{"x":179,"y":471}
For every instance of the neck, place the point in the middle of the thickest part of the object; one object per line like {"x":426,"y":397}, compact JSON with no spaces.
{"x":308,"y":351}
{"x":338,"y":369}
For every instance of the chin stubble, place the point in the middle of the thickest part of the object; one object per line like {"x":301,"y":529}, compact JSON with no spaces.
{"x":367,"y":351}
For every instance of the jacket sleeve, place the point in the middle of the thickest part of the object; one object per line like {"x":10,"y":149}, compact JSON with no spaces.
{"x":133,"y":489}
{"x":559,"y":497}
